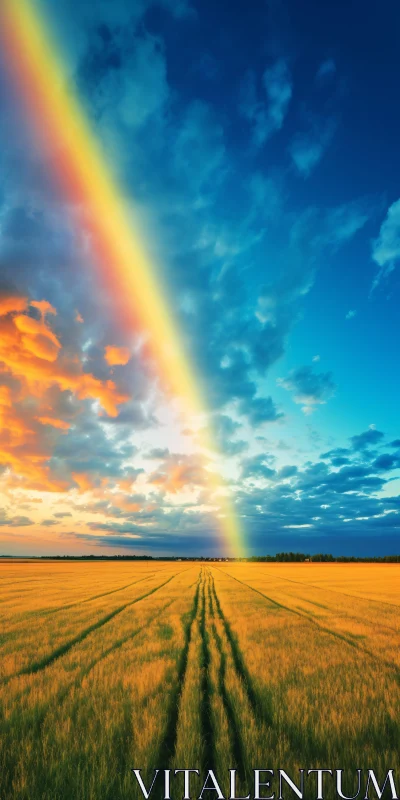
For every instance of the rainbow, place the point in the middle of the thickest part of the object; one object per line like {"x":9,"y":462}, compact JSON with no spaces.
{"x":121,"y":259}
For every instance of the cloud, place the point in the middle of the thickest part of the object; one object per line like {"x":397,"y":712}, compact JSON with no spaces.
{"x":308,"y":148}
{"x":9,"y":304}
{"x":44,"y":389}
{"x":366,"y":439}
{"x":338,"y":457}
{"x":117,"y":528}
{"x":238,"y":254}
{"x":116,"y":355}
{"x":278,"y":87}
{"x":351,"y":314}
{"x":258,"y":467}
{"x":288,"y":472}
{"x":14,"y":522}
{"x":386,"y":248}
{"x":30,"y":351}
{"x":326,"y":70}
{"x":199,"y":146}
{"x":179,"y":164}
{"x":309,"y":388}
{"x":345,"y":221}
{"x":266,"y":116}
{"x":386,"y":461}
{"x":335,"y":502}
{"x":260,"y":410}
{"x":158,"y":453}
{"x":179,"y":472}
{"x":77,"y":31}
{"x":136,"y":89}
{"x":223,"y":429}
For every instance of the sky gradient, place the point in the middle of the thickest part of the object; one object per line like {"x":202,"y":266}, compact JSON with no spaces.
{"x":254,"y":151}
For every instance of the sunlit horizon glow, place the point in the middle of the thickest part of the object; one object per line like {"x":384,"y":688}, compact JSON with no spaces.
{"x":120,"y":255}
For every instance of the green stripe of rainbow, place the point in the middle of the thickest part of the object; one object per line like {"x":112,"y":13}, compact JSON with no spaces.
{"x":121,"y":256}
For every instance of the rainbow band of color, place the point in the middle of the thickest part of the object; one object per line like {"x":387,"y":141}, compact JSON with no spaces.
{"x":121,"y":257}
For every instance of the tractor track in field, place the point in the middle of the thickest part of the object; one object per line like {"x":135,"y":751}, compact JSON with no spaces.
{"x":391,"y":665}
{"x":342,"y":594}
{"x":60,"y":651}
{"x":235,"y":736}
{"x":85,"y":671}
{"x":239,"y":662}
{"x":260,"y":700}
{"x":336,"y":591}
{"x":206,"y":709}
{"x":49,"y":611}
{"x":67,"y":646}
{"x":168,"y":744}
{"x":36,"y":717}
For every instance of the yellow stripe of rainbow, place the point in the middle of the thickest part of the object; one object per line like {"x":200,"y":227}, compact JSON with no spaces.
{"x":121,"y":257}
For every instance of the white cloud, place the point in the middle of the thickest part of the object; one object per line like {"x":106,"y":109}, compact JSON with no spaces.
{"x":386,"y":248}
{"x":266,"y":117}
{"x":350,"y":314}
{"x":309,"y":388}
{"x":278,"y":87}
{"x":326,"y":70}
{"x":307,"y":149}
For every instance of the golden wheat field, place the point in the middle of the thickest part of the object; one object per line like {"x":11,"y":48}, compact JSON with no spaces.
{"x":106,"y":667}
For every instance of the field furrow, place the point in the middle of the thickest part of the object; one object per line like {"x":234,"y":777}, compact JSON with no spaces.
{"x":360,"y":627}
{"x":30,"y":724}
{"x":191,"y":666}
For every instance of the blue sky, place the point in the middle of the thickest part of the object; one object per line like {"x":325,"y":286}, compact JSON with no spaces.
{"x":258,"y":146}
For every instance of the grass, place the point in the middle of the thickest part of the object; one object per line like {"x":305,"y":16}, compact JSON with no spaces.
{"x":105,"y":667}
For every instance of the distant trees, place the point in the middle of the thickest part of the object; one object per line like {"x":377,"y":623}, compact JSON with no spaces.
{"x":325,"y":557}
{"x":279,"y":557}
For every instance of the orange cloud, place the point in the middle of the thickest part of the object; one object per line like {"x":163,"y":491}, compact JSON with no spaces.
{"x":37,"y":338}
{"x":83,"y":481}
{"x":61,"y":424}
{"x":9,"y":304}
{"x":5,"y":396}
{"x":116,"y":355}
{"x":180,"y":472}
{"x":43,"y":306}
{"x":29,"y":351}
{"x":33,"y":366}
